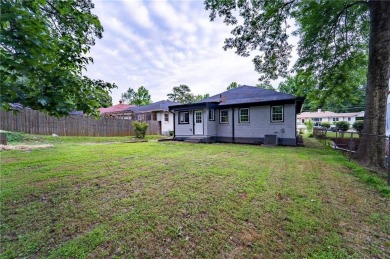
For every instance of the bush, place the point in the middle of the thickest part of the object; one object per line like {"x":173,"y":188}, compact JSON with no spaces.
{"x":358,"y":126}
{"x":325,"y":124}
{"x":309,"y":125}
{"x":14,"y":137}
{"x":171,"y":133}
{"x":342,"y":125}
{"x":140,"y":129}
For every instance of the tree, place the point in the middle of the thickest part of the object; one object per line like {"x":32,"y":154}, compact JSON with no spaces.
{"x":128,"y":96}
{"x":301,"y":84}
{"x":181,"y":94}
{"x":358,"y":126}
{"x":102,"y":95}
{"x":338,"y":39}
{"x":267,"y":86}
{"x":232,"y":86}
{"x":326,"y":125}
{"x":139,"y":97}
{"x":200,"y":97}
{"x":142,"y":97}
{"x":43,"y":47}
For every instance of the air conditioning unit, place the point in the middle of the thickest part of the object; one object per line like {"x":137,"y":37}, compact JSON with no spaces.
{"x":271,"y":140}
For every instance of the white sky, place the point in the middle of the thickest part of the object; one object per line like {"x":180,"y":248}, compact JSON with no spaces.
{"x":161,"y":44}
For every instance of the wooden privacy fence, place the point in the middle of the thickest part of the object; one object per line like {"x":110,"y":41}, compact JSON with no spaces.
{"x":35,"y":122}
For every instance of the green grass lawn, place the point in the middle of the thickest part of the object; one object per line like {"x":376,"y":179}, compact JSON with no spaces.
{"x":98,"y":198}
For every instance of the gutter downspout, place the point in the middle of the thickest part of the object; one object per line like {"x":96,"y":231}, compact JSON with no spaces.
{"x":233,"y":135}
{"x":174,"y":124}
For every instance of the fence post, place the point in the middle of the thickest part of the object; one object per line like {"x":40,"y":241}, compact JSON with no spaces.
{"x":3,"y":138}
{"x":388,"y":160}
{"x":350,"y":144}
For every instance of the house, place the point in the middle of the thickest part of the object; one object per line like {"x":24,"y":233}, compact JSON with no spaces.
{"x":116,"y":111}
{"x":326,"y":116}
{"x":245,"y":114}
{"x":157,"y":111}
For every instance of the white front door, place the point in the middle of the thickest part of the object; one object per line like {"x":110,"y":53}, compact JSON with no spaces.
{"x":198,"y":123}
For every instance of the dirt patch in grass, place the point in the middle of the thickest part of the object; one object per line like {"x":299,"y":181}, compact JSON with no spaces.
{"x":24,"y":147}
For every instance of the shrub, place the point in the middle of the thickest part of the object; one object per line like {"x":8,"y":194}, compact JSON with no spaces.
{"x":342,"y":125}
{"x":14,"y":137}
{"x":358,"y":126}
{"x":140,"y":129}
{"x":171,"y":133}
{"x":309,"y":125}
{"x":325,"y":124}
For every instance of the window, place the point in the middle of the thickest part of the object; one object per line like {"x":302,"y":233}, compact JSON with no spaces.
{"x":303,"y":120}
{"x":335,"y":119}
{"x":141,"y":117}
{"x":154,"y":116}
{"x":223,"y":116}
{"x":277,"y":114}
{"x":211,"y":115}
{"x":349,"y":118}
{"x":184,"y":118}
{"x":166,"y":117}
{"x":244,"y":115}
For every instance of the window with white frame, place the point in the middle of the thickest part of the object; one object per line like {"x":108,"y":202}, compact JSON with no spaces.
{"x":349,"y":118}
{"x":223,"y":116}
{"x":244,"y":115}
{"x":335,"y":119}
{"x":184,"y":118}
{"x":166,"y":117}
{"x":277,"y":113}
{"x":211,"y":115}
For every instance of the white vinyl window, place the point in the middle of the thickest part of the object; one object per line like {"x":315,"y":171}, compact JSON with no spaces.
{"x":184,"y":118}
{"x":166,"y":117}
{"x":223,"y":116}
{"x":211,"y":115}
{"x":277,"y":114}
{"x":244,"y":115}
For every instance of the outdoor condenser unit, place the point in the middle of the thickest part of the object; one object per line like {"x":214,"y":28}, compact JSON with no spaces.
{"x":271,"y":140}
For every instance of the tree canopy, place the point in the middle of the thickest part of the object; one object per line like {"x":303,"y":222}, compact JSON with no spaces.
{"x":301,"y":84}
{"x":181,"y":94}
{"x":339,"y":43}
{"x":232,"y":85}
{"x":139,"y":97}
{"x":43,"y":51}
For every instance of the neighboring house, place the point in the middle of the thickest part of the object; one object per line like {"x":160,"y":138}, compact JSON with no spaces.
{"x":326,"y":116}
{"x":245,"y":114}
{"x":157,"y":111}
{"x":116,"y":111}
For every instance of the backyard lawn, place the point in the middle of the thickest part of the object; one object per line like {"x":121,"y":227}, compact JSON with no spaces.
{"x":89,"y":197}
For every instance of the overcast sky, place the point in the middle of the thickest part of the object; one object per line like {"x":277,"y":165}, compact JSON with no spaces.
{"x":161,"y":44}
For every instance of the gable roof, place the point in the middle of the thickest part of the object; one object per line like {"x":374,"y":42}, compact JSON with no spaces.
{"x":157,"y":106}
{"x":244,"y":95}
{"x":247,"y":94}
{"x":116,"y":108}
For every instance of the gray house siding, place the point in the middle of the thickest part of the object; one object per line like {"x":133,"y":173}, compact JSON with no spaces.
{"x":224,"y":130}
{"x":211,"y":125}
{"x":244,"y":132}
{"x":183,"y":130}
{"x":260,"y":124}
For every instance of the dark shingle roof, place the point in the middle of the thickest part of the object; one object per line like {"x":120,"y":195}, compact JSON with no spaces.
{"x":157,"y":106}
{"x":247,"y":94}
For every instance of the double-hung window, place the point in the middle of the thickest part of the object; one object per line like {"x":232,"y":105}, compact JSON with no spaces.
{"x":166,"y":117}
{"x":211,"y":115}
{"x":184,"y":118}
{"x":277,"y":113}
{"x":244,"y":115}
{"x":224,"y":116}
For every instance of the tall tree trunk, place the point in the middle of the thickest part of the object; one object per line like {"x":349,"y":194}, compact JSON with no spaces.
{"x":371,"y":151}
